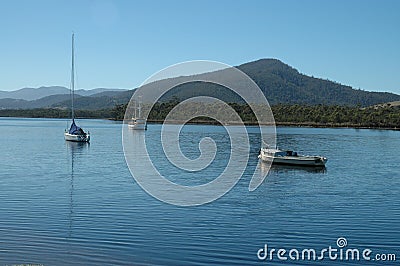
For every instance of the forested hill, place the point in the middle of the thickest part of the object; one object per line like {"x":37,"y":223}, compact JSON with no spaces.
{"x":284,"y":84}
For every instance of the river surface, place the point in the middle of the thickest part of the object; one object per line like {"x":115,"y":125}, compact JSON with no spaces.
{"x":69,"y":204}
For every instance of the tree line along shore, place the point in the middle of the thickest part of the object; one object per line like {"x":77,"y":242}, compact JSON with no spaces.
{"x":384,"y":116}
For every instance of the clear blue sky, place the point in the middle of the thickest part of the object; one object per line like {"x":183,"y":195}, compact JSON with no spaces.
{"x":121,"y":43}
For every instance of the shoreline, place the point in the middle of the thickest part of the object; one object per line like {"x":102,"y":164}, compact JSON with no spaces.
{"x":215,"y":123}
{"x":290,"y":124}
{"x":313,"y":125}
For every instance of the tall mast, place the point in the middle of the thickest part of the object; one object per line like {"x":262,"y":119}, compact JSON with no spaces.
{"x":72,"y":80}
{"x":140,"y":107}
{"x":135,"y":109}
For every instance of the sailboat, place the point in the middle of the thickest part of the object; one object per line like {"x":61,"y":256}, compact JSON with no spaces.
{"x":74,"y":133}
{"x":138,"y":122}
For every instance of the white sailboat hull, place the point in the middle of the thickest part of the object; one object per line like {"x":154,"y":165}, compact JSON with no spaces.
{"x":138,"y":124}
{"x":76,"y":138}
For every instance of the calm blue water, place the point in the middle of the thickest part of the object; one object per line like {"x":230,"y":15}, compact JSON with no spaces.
{"x":69,"y":204}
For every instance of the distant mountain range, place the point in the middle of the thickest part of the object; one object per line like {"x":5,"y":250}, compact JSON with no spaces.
{"x":30,"y":94}
{"x":59,"y":97}
{"x":279,"y":82}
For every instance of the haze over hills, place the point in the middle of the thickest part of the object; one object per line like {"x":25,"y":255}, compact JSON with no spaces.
{"x":93,"y":102}
{"x":281,"y":84}
{"x":30,"y":94}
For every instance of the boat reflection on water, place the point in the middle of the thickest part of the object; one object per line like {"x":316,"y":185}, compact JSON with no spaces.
{"x":281,"y":168}
{"x":74,"y":149}
{"x":287,"y":168}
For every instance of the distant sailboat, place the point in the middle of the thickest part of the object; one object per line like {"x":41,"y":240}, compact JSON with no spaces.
{"x":74,"y":133}
{"x":138,"y":122}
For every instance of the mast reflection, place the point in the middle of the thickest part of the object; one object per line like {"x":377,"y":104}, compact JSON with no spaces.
{"x":74,"y":149}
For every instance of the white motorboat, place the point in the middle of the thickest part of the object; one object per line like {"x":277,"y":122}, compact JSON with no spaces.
{"x":74,"y":133}
{"x":289,"y":157}
{"x":138,"y":122}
